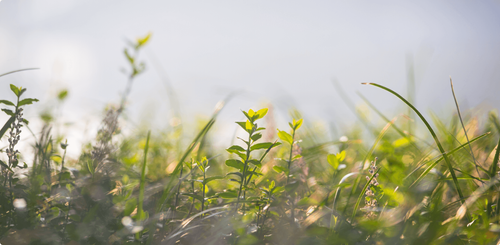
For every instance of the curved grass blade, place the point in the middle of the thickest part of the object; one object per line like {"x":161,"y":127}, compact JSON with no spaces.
{"x":428,"y":169}
{"x":441,"y":149}
{"x":25,"y":69}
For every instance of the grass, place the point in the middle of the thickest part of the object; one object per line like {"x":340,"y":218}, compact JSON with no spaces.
{"x":293,"y":186}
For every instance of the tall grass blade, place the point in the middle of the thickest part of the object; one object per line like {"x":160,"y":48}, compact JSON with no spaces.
{"x":463,"y":127}
{"x":494,"y":165}
{"x":441,"y":149}
{"x":143,"y":176}
{"x":178,"y":167}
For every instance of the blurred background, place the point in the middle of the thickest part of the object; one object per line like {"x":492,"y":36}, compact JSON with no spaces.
{"x":287,"y":53}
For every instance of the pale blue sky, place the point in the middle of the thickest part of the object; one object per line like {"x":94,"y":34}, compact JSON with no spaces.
{"x":272,"y":50}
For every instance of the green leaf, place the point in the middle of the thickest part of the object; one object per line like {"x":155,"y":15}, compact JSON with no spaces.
{"x":235,"y":173}
{"x":297,"y":124}
{"x":284,"y":136}
{"x":247,"y":116}
{"x":241,"y":155}
{"x":242,"y":125}
{"x":256,"y":137}
{"x":27,"y":101}
{"x":228,"y":194}
{"x":212,"y":178}
{"x":21,"y":92}
{"x":130,"y":206}
{"x":7,"y":102}
{"x":198,"y":197}
{"x":251,"y":113}
{"x":292,"y":186}
{"x":277,"y":189}
{"x":235,"y":148}
{"x":200,"y":166}
{"x":280,"y":169}
{"x":9,"y":112}
{"x":75,"y":217}
{"x":341,"y":156}
{"x":401,"y":142}
{"x":265,"y":145}
{"x":248,"y":126}
{"x":91,"y":214}
{"x":333,"y":160}
{"x":142,"y":41}
{"x":235,"y":164}
{"x":255,"y":162}
{"x":5,"y":165}
{"x":14,"y":89}
{"x":296,"y":157}
{"x":261,"y":113}
{"x":62,"y":94}
{"x":129,"y":58}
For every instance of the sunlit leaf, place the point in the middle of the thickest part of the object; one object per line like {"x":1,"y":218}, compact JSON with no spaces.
{"x":284,"y":136}
{"x":235,"y":164}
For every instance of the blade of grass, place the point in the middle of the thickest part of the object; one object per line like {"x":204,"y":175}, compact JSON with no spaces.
{"x":428,"y":169}
{"x":473,"y":198}
{"x":337,"y":194}
{"x":494,"y":165}
{"x":352,"y":107}
{"x":178,"y":167}
{"x":370,"y":152}
{"x":463,"y":127}
{"x":400,"y":132}
{"x":410,"y":67}
{"x":143,"y":179}
{"x":441,"y":149}
{"x":362,"y":194}
{"x":25,"y":69}
{"x":6,"y":126}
